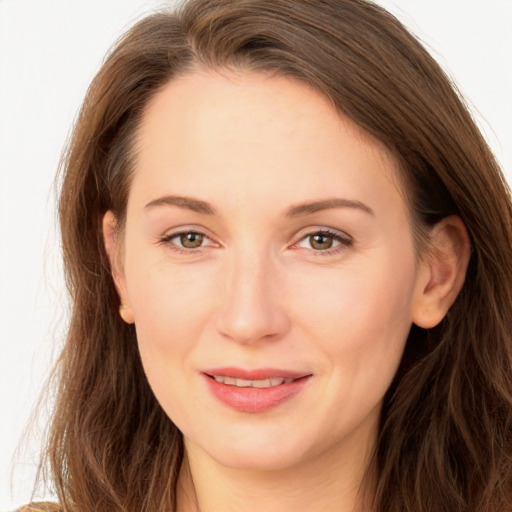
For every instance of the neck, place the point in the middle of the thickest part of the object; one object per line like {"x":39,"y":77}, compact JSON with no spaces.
{"x":331,"y":482}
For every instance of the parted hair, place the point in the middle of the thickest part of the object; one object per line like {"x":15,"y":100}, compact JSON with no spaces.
{"x":445,"y":434}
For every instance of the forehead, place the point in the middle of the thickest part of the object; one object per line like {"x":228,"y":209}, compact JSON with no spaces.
{"x":251,"y":134}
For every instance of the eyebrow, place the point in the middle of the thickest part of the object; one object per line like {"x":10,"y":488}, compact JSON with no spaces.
{"x":189,"y":203}
{"x":205,"y":208}
{"x":326,"y":204}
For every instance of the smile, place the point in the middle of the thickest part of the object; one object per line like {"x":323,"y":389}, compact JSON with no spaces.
{"x":245,"y":383}
{"x":254,"y":391}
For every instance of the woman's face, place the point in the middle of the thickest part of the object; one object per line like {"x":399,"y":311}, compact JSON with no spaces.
{"x":269,"y":268}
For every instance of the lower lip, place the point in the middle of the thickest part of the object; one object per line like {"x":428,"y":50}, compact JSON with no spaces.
{"x":255,"y":400}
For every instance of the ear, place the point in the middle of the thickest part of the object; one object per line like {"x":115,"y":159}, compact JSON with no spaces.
{"x":442,"y":272}
{"x":113,"y":249}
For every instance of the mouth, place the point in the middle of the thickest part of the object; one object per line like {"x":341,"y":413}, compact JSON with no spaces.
{"x":255,"y":391}
{"x":247,"y":383}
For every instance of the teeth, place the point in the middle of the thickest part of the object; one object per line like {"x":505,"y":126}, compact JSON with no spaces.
{"x":266,"y":383}
{"x":244,"y":383}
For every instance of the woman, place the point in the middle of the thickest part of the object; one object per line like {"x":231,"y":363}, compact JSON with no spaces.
{"x":287,"y":246}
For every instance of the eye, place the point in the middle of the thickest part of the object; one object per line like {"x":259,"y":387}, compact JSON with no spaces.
{"x":187,"y":240}
{"x":321,"y":241}
{"x":190,"y":240}
{"x":324,"y":241}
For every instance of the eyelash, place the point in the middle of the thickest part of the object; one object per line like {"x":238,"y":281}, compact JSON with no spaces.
{"x":344,"y":241}
{"x":166,"y":240}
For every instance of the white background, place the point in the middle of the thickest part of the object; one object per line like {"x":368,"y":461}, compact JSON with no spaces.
{"x":49,"y":52}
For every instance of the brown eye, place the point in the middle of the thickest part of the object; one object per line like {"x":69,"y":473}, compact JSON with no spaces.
{"x":191,"y":240}
{"x":325,"y":241}
{"x":321,"y":241}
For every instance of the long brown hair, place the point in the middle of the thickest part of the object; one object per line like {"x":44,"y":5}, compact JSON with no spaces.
{"x":445,"y":440}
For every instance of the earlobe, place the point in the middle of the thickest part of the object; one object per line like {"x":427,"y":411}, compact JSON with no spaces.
{"x":126,"y":313}
{"x":442,"y":272}
{"x":112,"y":249}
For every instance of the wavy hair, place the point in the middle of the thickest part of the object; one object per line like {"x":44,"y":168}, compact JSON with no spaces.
{"x":445,"y":438}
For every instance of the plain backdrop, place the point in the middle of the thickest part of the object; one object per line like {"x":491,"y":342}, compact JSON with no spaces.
{"x":49,"y":52}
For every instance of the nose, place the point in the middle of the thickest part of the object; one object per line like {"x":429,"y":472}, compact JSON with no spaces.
{"x":252,"y":307}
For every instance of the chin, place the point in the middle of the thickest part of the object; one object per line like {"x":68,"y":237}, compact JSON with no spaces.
{"x":259,"y":460}
{"x":256,"y":451}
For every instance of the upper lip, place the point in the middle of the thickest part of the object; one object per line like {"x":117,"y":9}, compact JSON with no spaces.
{"x":256,"y":374}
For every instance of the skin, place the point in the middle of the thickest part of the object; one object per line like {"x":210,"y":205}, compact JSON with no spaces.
{"x":260,"y":292}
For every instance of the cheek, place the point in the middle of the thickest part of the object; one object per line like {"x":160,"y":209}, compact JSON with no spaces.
{"x":168,"y":303}
{"x":357,"y":323}
{"x":359,"y":317}
{"x":170,"y":306}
